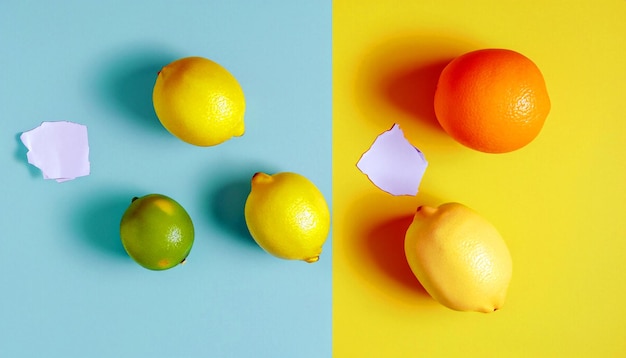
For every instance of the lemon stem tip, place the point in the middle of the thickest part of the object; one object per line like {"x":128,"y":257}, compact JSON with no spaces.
{"x":312,"y":259}
{"x":426,"y":210}
{"x":260,"y":177}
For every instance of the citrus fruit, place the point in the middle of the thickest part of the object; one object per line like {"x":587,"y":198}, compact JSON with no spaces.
{"x":287,"y":216}
{"x":492,"y":100}
{"x":458,"y":257}
{"x":156,"y":232}
{"x":199,"y":101}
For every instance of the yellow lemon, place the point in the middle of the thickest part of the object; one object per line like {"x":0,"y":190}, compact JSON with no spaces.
{"x":287,"y":216}
{"x":199,"y":101}
{"x":459,"y":257}
{"x":156,"y":232}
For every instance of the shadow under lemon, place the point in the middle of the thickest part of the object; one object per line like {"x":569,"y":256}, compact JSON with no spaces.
{"x":125,"y":80}
{"x":227,"y":203}
{"x":375,"y":243}
{"x":385,"y":243}
{"x":225,"y":199}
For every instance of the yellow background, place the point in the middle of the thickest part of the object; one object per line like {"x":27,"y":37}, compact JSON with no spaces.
{"x":560,"y":202}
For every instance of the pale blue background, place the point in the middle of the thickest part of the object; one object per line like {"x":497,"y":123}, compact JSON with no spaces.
{"x":67,"y":288}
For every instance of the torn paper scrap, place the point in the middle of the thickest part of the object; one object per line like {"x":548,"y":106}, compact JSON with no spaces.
{"x":393,"y":164}
{"x":59,"y":149}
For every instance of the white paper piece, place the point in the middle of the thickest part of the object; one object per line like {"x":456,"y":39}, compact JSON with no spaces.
{"x":393,"y":164}
{"x":59,"y":149}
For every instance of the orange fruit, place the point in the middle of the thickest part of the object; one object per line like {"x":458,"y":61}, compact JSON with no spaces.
{"x":492,"y":100}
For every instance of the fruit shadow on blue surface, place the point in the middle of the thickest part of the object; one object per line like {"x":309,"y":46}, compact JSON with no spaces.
{"x":126,"y":80}
{"x":97,"y":221}
{"x":226,"y":204}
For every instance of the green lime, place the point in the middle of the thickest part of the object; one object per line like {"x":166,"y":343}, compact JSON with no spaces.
{"x":156,"y":232}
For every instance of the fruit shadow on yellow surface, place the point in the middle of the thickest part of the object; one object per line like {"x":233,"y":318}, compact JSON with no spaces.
{"x":412,"y":90}
{"x":397,"y":79}
{"x":384,"y":243}
{"x":125,"y":80}
{"x":376,"y":242}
